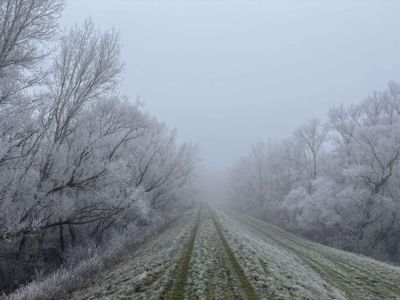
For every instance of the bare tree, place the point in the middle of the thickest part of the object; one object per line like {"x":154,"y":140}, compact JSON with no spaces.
{"x":312,"y":135}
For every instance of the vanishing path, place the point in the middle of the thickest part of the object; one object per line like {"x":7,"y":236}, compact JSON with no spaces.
{"x":209,"y":254}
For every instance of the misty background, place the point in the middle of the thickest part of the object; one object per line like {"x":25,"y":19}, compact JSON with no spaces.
{"x":87,"y":177}
{"x":227,"y":73}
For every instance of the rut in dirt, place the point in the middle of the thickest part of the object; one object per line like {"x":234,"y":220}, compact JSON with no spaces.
{"x":245,"y":285}
{"x":226,"y":277}
{"x":177,"y":289}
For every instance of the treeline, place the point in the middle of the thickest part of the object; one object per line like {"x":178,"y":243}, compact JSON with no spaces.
{"x":336,"y":182}
{"x":78,"y":161}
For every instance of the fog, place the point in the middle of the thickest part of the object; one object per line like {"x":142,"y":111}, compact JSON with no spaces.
{"x":227,"y":73}
{"x":146,"y":144}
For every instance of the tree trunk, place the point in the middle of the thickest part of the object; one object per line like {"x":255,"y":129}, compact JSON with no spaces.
{"x":72,"y":233}
{"x":21,"y":246}
{"x":62,"y":244}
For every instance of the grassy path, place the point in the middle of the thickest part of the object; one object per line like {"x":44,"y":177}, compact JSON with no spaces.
{"x":245,"y":285}
{"x":177,"y":289}
{"x":212,"y":255}
{"x":214,"y":271}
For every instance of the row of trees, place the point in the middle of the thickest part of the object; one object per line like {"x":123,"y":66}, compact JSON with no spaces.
{"x":76,"y":158}
{"x":337,"y":182}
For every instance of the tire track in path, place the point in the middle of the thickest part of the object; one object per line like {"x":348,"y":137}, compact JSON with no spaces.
{"x":177,"y":289}
{"x":245,"y":285}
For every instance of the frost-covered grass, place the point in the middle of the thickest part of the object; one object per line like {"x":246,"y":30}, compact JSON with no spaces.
{"x":146,"y":243}
{"x":274,"y":272}
{"x":81,"y":263}
{"x":203,"y":260}
{"x":214,"y":272}
{"x":149,"y":271}
{"x":178,"y":285}
{"x":245,"y":285}
{"x":203,"y":274}
{"x":282,"y":266}
{"x":233,"y":256}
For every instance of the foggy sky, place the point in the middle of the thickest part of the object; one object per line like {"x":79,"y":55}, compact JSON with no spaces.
{"x":227,"y":73}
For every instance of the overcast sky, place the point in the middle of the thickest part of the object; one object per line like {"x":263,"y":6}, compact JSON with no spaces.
{"x":226,"y":73}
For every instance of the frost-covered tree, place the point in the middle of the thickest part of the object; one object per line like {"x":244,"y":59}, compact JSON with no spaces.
{"x":77,"y":160}
{"x":26,"y":26}
{"x":311,"y":137}
{"x":259,"y":180}
{"x":85,"y":135}
{"x":345,"y":194}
